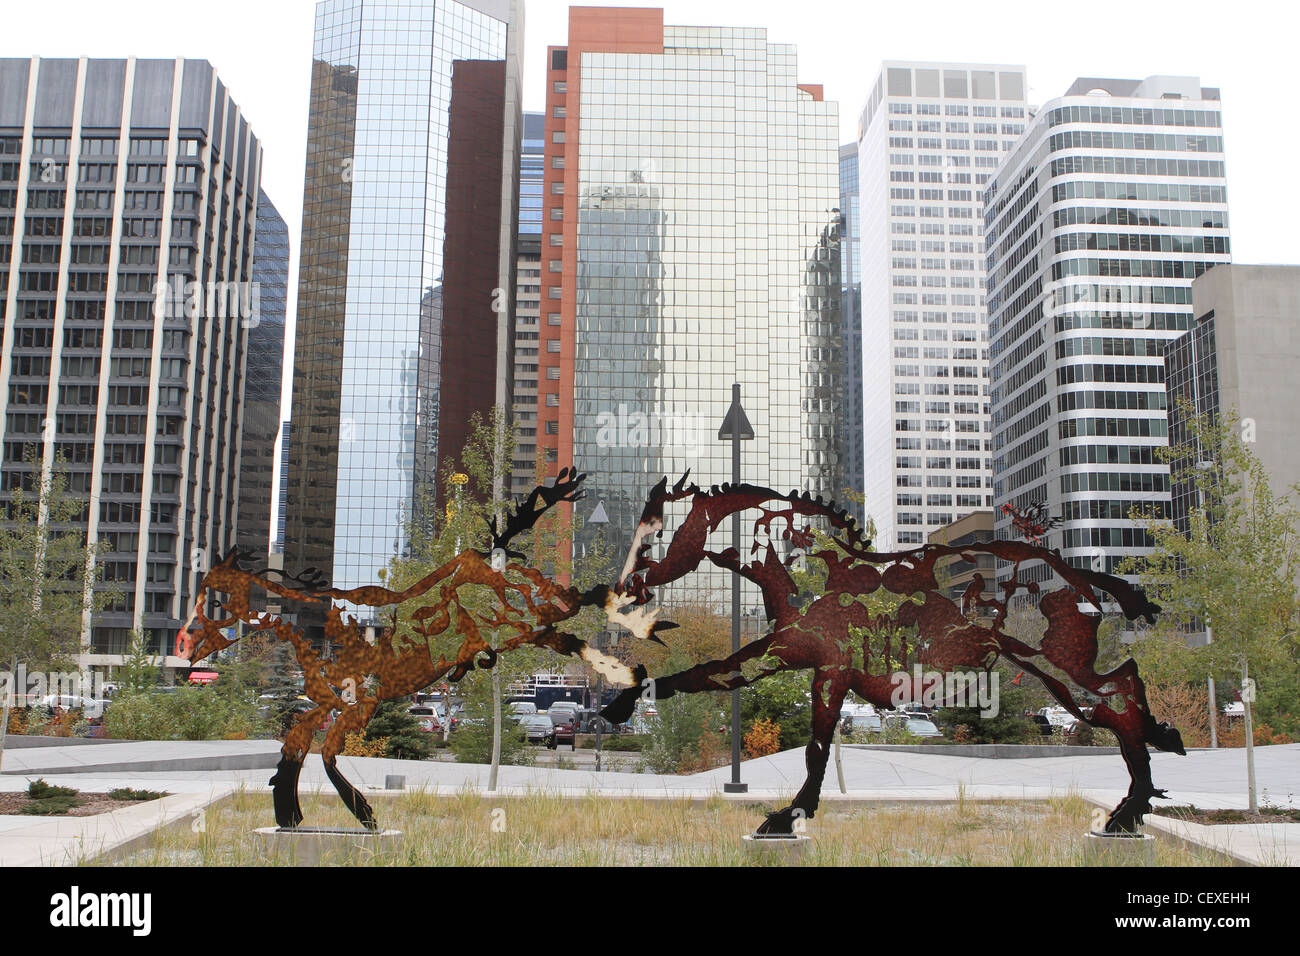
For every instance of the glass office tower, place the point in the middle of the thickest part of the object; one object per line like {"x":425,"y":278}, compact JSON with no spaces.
{"x":264,"y":370}
{"x":1096,"y":224}
{"x":691,"y":241}
{"x":528,"y":302}
{"x":407,"y":268}
{"x":850,"y":431}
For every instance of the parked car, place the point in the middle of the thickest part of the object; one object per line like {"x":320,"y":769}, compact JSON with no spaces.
{"x":563,"y":710}
{"x":1058,"y":716}
{"x":563,"y":732}
{"x":427,"y":718}
{"x":522,"y":708}
{"x":537,"y":728}
{"x":914,"y":724}
{"x":91,"y":708}
{"x":1042,"y":723}
{"x":856,"y":723}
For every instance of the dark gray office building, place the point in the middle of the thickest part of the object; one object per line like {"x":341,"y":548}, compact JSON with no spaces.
{"x":128,"y":211}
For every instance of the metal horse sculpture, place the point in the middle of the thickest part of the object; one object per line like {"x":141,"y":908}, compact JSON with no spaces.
{"x":821,"y":634}
{"x":361,"y":674}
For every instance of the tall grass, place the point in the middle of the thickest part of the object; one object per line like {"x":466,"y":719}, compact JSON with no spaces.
{"x":550,"y":829}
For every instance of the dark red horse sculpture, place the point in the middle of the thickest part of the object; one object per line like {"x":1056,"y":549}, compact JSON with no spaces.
{"x":848,"y":649}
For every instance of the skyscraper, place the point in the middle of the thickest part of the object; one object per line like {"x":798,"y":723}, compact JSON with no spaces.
{"x":407,"y":268}
{"x":690,"y":240}
{"x":528,"y":285}
{"x":128,"y":212}
{"x":850,"y":429}
{"x":1239,"y":359}
{"x":928,"y":140}
{"x":260,"y":425}
{"x":1113,"y":201}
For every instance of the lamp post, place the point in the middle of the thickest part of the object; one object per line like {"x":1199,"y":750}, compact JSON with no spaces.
{"x":735,"y":428}
{"x":600,"y":518}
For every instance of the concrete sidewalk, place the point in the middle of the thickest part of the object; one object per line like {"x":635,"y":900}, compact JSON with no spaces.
{"x":141,"y":756}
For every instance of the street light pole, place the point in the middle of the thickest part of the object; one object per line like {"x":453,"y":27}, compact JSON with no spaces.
{"x":601,"y":520}
{"x":735,"y":427}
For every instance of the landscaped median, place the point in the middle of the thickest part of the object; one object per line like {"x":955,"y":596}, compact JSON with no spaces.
{"x":67,"y":840}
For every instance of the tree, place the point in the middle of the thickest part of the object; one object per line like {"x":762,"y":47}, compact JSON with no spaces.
{"x":139,"y":671}
{"x":1235,"y":569}
{"x":393,"y":722}
{"x":48,"y":577}
{"x":473,"y":483}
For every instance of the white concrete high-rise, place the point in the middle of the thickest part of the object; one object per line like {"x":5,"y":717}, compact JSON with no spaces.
{"x":1096,"y":224}
{"x":928,"y":140}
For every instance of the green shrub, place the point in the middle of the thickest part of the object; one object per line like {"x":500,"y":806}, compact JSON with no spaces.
{"x":38,"y":789}
{"x":127,"y":793}
{"x":190,"y":713}
{"x":49,"y":807}
{"x":472,"y":743}
{"x":673,"y":743}
{"x":627,"y":743}
{"x":48,"y":800}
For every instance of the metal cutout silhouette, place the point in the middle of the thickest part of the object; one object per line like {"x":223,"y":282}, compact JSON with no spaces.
{"x":361,"y":674}
{"x":811,"y":635}
{"x":817,"y":635}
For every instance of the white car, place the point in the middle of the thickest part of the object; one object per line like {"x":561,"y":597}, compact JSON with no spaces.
{"x":918,"y":725}
{"x":1058,"y":716}
{"x":90,"y":707}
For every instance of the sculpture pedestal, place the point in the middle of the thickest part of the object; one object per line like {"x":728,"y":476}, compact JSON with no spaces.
{"x":776,"y":848}
{"x":1118,"y":849}
{"x":317,"y":846}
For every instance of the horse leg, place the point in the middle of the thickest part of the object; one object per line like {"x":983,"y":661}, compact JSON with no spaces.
{"x":350,"y":720}
{"x":828,"y":690}
{"x":724,"y":674}
{"x":297,"y":743}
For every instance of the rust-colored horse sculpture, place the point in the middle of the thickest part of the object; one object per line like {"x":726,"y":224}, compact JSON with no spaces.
{"x":361,"y":674}
{"x":820,"y":635}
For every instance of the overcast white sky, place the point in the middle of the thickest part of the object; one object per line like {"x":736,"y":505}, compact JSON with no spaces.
{"x":262,"y":50}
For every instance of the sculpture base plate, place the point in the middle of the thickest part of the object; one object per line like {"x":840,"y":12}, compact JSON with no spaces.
{"x":317,"y":846}
{"x":1118,"y":849}
{"x":776,"y":847}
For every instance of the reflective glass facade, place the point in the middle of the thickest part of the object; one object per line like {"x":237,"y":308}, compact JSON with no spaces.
{"x":528,"y":302}
{"x":851,"y":323}
{"x":263,"y":373}
{"x":698,"y":244}
{"x":407,"y":266}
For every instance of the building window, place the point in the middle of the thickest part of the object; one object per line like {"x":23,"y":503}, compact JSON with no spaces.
{"x":560,"y":86}
{"x":557,"y":136}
